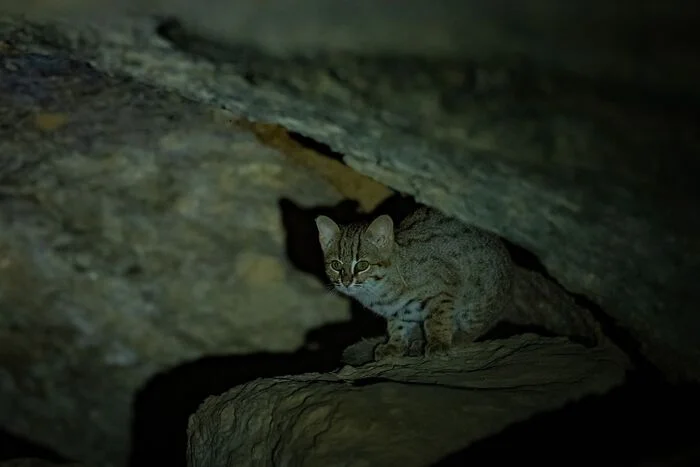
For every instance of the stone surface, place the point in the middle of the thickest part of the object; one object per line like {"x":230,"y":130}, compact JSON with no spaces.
{"x":595,"y":180}
{"x":630,"y":45}
{"x":409,"y":412}
{"x":138,"y":230}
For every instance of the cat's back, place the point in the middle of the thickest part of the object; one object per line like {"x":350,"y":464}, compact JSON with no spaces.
{"x":429,"y":227}
{"x":457,"y":253}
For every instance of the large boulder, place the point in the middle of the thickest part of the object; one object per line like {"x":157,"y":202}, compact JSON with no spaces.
{"x":138,"y":230}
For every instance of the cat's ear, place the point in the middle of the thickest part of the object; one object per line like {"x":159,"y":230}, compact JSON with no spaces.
{"x":381,"y":232}
{"x":327,"y":231}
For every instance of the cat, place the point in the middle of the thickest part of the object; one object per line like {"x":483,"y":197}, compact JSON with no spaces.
{"x":431,"y":277}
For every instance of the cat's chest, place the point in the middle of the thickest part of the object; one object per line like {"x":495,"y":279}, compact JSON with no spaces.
{"x":400,"y":307}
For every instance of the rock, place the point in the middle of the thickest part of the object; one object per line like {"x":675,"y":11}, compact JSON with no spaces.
{"x":409,"y":412}
{"x":547,"y":33}
{"x":595,"y":180}
{"x":138,"y":230}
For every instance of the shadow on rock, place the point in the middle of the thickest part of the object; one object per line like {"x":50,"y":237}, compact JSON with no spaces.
{"x":13,"y":447}
{"x":162,"y":408}
{"x":642,"y":423}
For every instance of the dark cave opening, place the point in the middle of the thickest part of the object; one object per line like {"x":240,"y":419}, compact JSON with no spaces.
{"x":644,"y":422}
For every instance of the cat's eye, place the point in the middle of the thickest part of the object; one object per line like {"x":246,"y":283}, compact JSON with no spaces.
{"x":336,"y":265}
{"x":361,"y":266}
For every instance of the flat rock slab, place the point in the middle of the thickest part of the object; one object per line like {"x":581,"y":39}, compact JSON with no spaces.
{"x":408,"y":412}
{"x":138,"y":230}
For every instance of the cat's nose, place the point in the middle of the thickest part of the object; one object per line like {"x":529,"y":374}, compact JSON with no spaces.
{"x":346,"y":279}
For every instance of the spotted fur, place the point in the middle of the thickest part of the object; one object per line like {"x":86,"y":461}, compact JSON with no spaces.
{"x":430,"y":277}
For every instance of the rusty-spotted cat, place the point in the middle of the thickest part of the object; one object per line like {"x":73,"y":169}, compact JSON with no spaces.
{"x":430,"y":277}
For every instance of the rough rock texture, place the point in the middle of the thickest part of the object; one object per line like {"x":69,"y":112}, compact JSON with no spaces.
{"x":138,"y":230}
{"x":595,"y":180}
{"x":649,"y":45}
{"x":409,"y":412}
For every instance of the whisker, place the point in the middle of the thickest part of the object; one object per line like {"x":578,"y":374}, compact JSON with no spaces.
{"x":330,"y":289}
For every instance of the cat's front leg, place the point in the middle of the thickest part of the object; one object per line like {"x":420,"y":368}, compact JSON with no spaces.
{"x":400,"y":339}
{"x":439,"y":325}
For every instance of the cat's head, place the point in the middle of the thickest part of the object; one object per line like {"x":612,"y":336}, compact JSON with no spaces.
{"x":357,"y":256}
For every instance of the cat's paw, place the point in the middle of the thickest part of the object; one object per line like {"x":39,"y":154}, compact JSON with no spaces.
{"x":437,"y":349}
{"x":415,"y":348}
{"x":388,"y":350}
